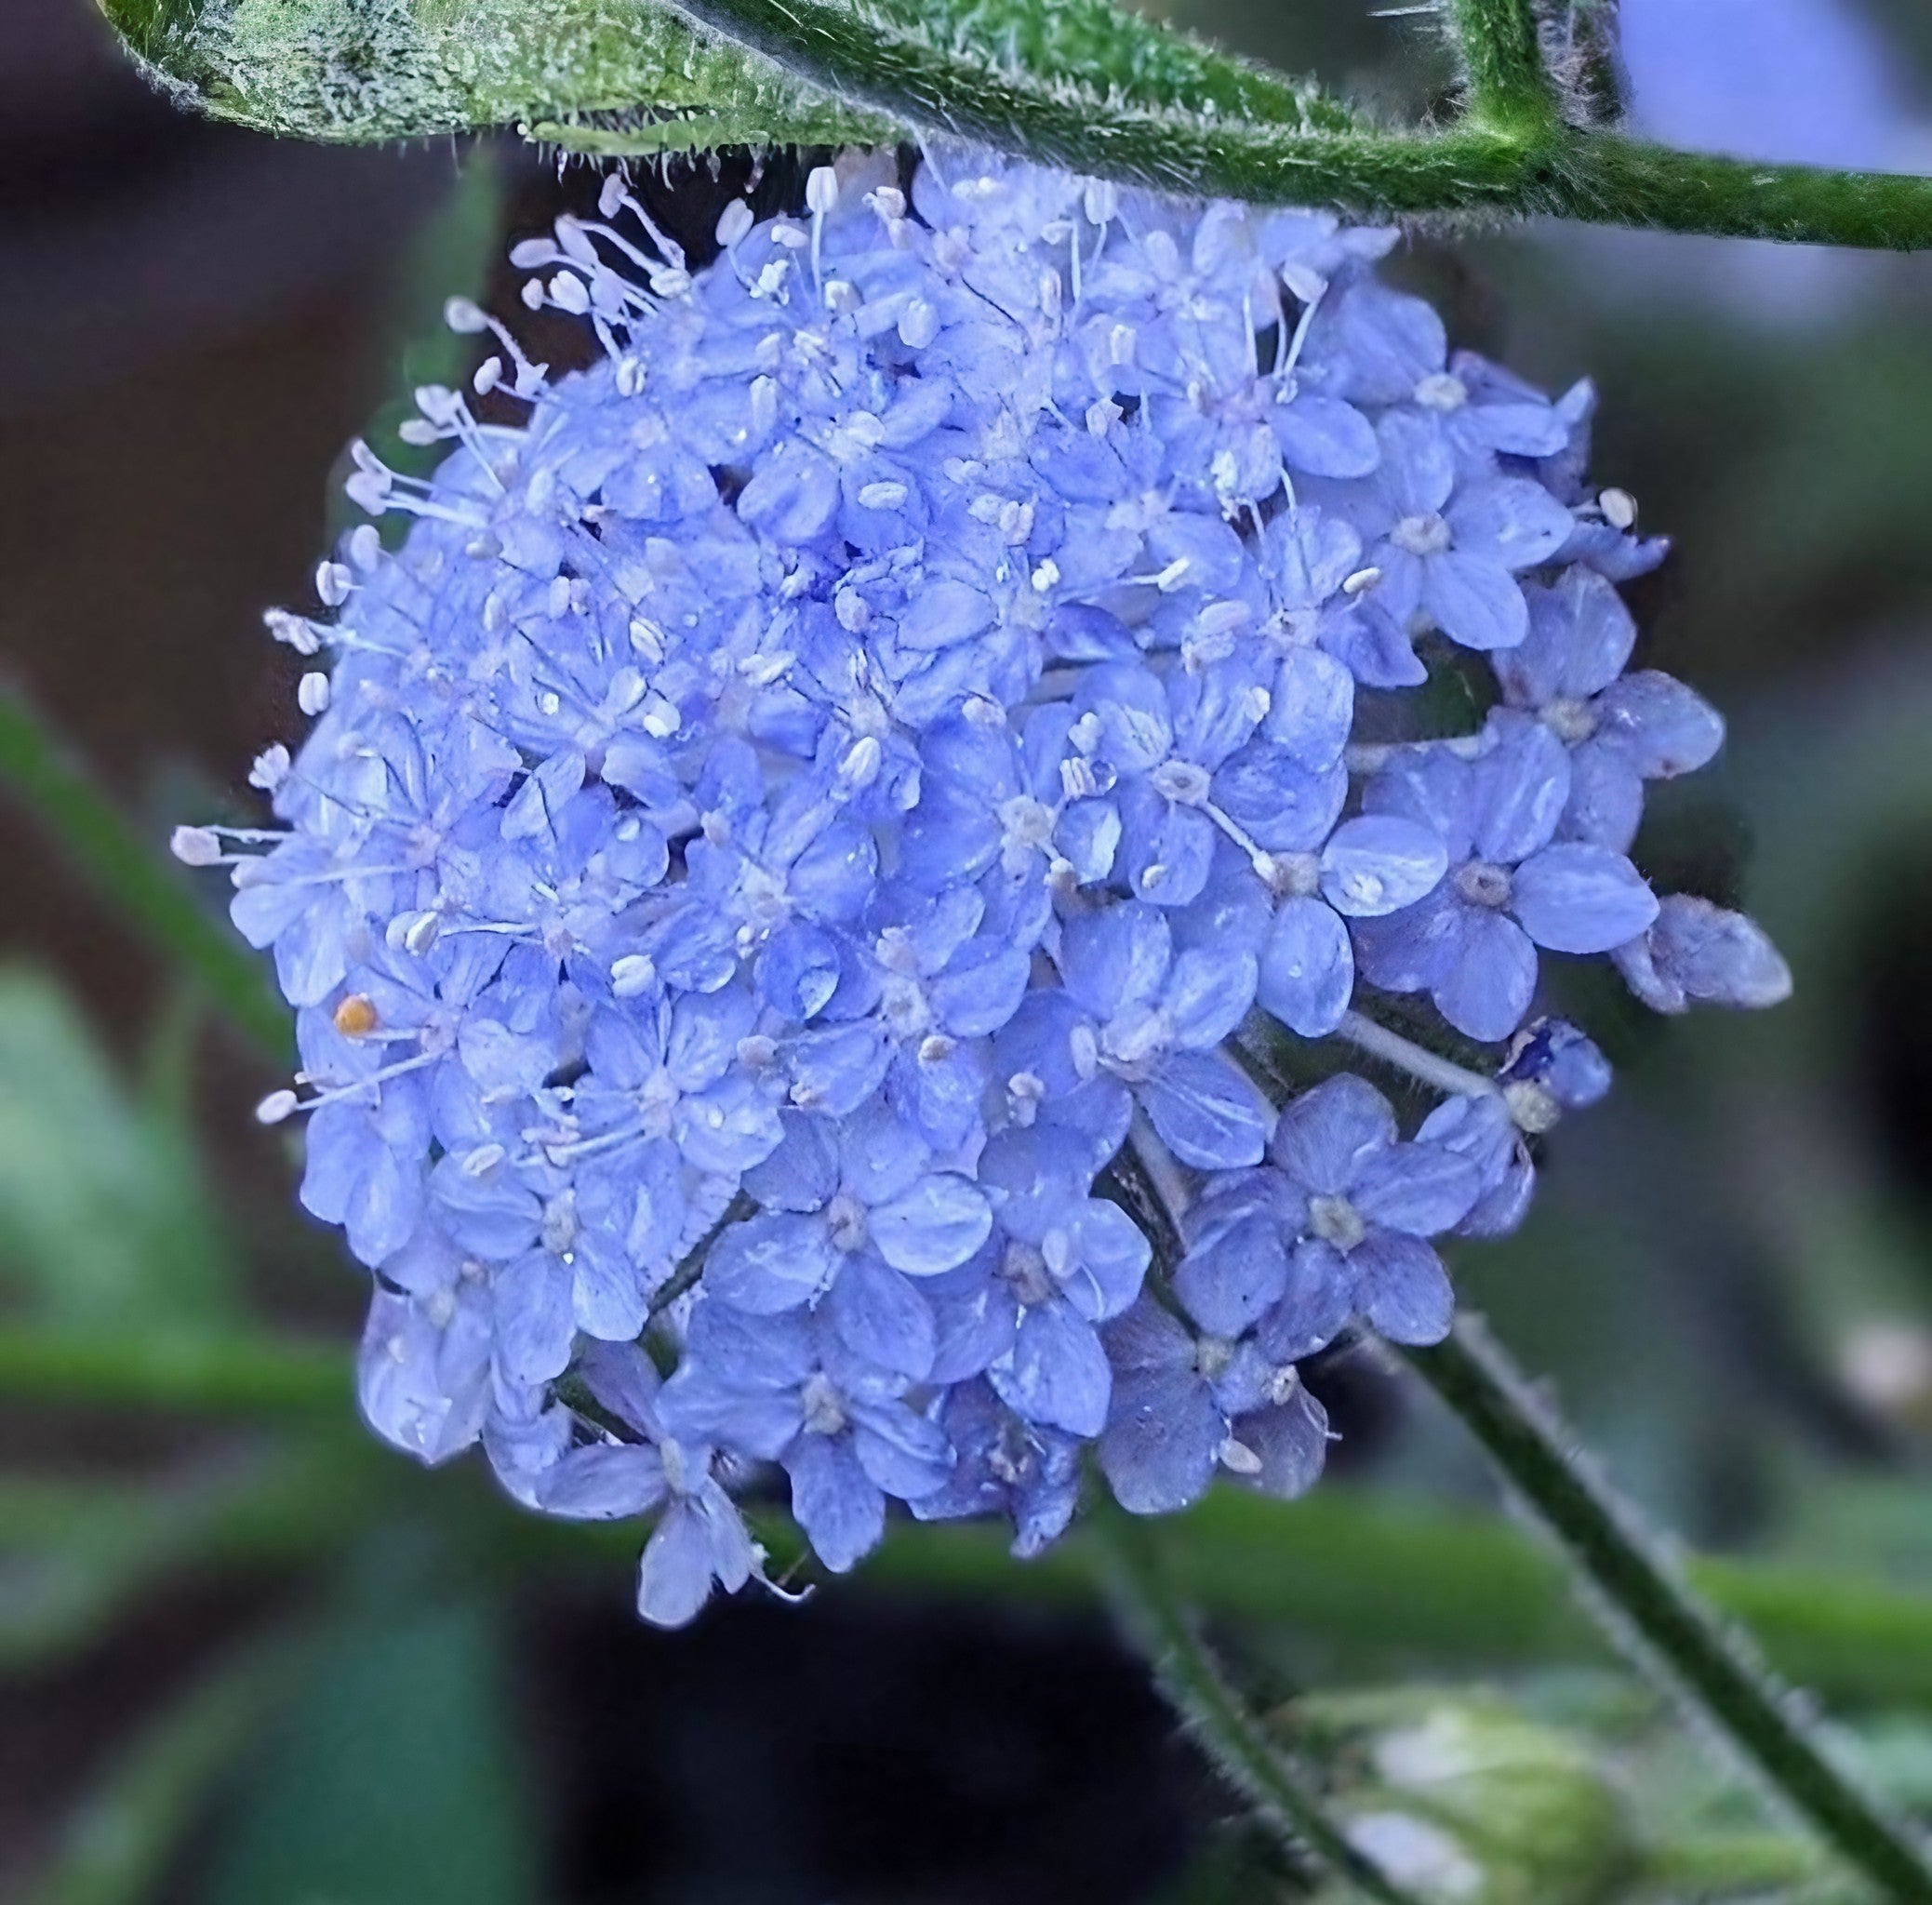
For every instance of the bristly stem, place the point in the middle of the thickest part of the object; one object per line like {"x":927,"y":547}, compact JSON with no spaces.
{"x":1229,"y":1732}
{"x":1521,"y":168}
{"x":1649,"y":1610}
{"x":1508,"y":85}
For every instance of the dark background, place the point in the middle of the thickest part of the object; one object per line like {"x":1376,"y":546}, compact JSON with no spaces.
{"x":1727,"y":1270}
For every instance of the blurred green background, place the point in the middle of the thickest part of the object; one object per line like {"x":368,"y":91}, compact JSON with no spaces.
{"x":249,"y":1658}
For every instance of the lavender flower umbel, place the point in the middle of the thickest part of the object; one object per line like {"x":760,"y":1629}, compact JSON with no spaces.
{"x":922,"y":721}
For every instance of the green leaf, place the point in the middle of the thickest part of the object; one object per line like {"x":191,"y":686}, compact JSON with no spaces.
{"x":103,"y":1219}
{"x":119,"y":1844}
{"x":393,"y":1779}
{"x":638,"y":77}
{"x":41,"y":771}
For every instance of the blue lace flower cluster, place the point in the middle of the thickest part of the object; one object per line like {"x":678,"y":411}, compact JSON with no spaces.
{"x":831,"y":803}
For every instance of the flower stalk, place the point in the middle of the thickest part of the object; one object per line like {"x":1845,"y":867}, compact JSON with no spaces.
{"x":1652,"y":1613}
{"x":1280,"y":1792}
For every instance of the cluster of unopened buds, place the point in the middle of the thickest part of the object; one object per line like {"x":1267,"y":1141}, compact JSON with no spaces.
{"x":848,"y":813}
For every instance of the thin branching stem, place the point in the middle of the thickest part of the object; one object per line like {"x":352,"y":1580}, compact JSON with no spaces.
{"x":1513,"y":167}
{"x":1233,"y":1737}
{"x":1651,"y":1611}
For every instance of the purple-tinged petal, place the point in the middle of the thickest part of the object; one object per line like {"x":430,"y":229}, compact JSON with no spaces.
{"x":1474,"y":601}
{"x":1420,"y":1189}
{"x":1402,"y":1288}
{"x":1510,"y":523}
{"x":531,"y":1303}
{"x":1697,"y":954}
{"x":1576,"y":897}
{"x":1605,"y":806}
{"x":1377,"y":863}
{"x":1325,"y":437}
{"x":605,"y":1482}
{"x":879,"y":1315}
{"x":1290,"y":1441}
{"x":1666,"y":728}
{"x":674,"y":1579}
{"x":907,"y":1454}
{"x":1307,"y":972}
{"x":1323,"y":1137}
{"x":770,"y":1263}
{"x":841,"y":1509}
{"x":1487,"y":988}
{"x":1315,"y":1307}
{"x":1517,"y":790}
{"x":1312,"y":709}
{"x":1237,"y":1273}
{"x":1432,"y":787}
{"x":1207,"y":1111}
{"x":935,"y":1225}
{"x":1411,"y":950}
{"x":1163,"y":1438}
{"x":1056,"y":1373}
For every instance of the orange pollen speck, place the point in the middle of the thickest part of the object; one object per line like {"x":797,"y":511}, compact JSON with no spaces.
{"x":355,"y":1017}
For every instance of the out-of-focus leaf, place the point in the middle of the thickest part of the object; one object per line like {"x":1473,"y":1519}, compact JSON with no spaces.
{"x":119,"y":1844}
{"x":393,"y":1778}
{"x":77,"y":1556}
{"x":103,"y":1220}
{"x":133,"y":877}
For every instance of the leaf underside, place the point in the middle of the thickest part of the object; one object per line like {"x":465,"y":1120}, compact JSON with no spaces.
{"x":632,"y":76}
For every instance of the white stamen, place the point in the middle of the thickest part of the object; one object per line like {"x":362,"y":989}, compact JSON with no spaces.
{"x":195,"y":847}
{"x":1620,"y":508}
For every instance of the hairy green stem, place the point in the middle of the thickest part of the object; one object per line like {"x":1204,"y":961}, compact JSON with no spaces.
{"x":1651,"y":1611}
{"x":1511,"y":168}
{"x":1257,"y":1766}
{"x":1503,"y":73}
{"x":64,"y":798}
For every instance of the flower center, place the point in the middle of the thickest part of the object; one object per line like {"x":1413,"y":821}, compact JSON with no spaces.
{"x":1289,"y":876}
{"x":1025,"y":1269}
{"x":1483,"y":884}
{"x":1212,"y":1355}
{"x":1441,"y":392}
{"x":558,"y":1231}
{"x":824,"y":1409}
{"x":1569,"y":719}
{"x":845,"y":1219}
{"x":1026,"y":824}
{"x":1184,"y":783}
{"x":1335,"y":1220}
{"x":904,"y":1007}
{"x":1134,"y":1034}
{"x":1421,"y":534}
{"x":656,"y":1097}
